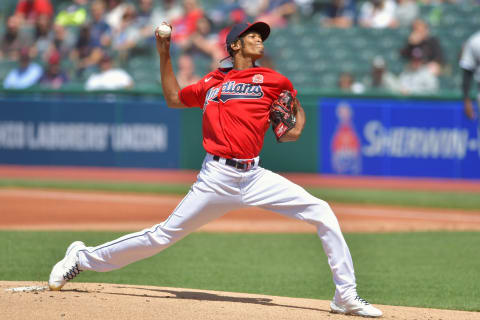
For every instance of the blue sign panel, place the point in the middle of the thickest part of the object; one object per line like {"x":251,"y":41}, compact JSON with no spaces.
{"x":412,"y":138}
{"x":89,"y":133}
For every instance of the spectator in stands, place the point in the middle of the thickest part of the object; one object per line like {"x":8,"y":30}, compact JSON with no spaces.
{"x":82,"y":50}
{"x":28,"y":11}
{"x":114,"y":11}
{"x":417,"y":77}
{"x":100,"y":30}
{"x":144,"y":11}
{"x":74,"y":14}
{"x":203,"y":42}
{"x":61,"y":41}
{"x":148,"y":17}
{"x":220,"y":15}
{"x":251,"y":8}
{"x":42,"y":37}
{"x":186,"y":71}
{"x":137,"y":27}
{"x":306,"y":7}
{"x":53,"y":77}
{"x":13,"y":39}
{"x":276,"y":13}
{"x":187,"y":24}
{"x":340,"y":14}
{"x":144,"y":17}
{"x":347,"y":83}
{"x":93,"y":41}
{"x":377,"y":13}
{"x":109,"y":78}
{"x":407,"y":11}
{"x":126,"y":36}
{"x":380,"y":78}
{"x":420,"y":38}
{"x":145,"y":24}
{"x":25,"y":75}
{"x":169,"y":11}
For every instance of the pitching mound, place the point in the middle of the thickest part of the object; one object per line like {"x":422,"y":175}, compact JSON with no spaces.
{"x":112,"y":301}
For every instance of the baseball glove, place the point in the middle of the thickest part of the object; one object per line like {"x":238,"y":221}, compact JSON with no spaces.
{"x":282,"y":114}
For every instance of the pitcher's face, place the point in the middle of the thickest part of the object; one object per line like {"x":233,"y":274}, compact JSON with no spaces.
{"x":252,"y":45}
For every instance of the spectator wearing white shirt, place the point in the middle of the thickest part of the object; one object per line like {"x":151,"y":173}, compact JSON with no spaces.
{"x":377,"y":14}
{"x":109,"y":78}
{"x":115,"y":10}
{"x":380,"y":77}
{"x":417,"y":78}
{"x":405,"y":13}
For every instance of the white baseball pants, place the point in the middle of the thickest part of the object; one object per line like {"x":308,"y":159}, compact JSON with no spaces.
{"x":219,"y":189}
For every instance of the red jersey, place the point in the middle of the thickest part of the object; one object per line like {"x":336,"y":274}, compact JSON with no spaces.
{"x":236,"y":107}
{"x":186,"y":25}
{"x":31,"y":10}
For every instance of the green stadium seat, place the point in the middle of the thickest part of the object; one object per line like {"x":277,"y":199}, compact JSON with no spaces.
{"x":73,"y":85}
{"x":319,"y":66}
{"x":359,"y":44}
{"x":5,"y":67}
{"x":395,"y":66}
{"x":450,"y":19}
{"x":202,"y":65}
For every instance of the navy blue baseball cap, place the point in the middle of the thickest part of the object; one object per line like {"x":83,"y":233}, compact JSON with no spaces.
{"x":240,"y":29}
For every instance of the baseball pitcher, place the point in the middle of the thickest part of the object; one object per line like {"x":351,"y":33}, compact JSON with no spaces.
{"x":239,"y":105}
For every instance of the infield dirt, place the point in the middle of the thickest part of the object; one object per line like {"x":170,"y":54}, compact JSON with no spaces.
{"x":121,"y":302}
{"x":59,"y":210}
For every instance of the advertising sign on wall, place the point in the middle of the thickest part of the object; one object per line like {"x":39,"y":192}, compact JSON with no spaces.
{"x":89,"y":133}
{"x":419,"y":138}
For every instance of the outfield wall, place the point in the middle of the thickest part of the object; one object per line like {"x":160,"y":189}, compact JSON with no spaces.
{"x":345,"y":134}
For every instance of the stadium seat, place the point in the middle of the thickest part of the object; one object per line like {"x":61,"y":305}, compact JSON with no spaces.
{"x":5,"y":67}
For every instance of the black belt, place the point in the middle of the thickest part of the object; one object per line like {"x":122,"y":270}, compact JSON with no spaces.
{"x":237,"y":164}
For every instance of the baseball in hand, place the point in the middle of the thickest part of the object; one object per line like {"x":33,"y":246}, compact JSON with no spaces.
{"x":164,"y":30}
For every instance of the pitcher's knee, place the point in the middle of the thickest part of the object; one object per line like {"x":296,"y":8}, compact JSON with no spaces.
{"x":165,"y":236}
{"x":320,"y":213}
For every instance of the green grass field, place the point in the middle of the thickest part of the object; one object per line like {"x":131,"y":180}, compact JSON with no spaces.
{"x":424,"y":269}
{"x":411,"y":198}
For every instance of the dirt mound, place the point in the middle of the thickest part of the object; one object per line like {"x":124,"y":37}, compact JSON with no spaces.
{"x":115,"y":301}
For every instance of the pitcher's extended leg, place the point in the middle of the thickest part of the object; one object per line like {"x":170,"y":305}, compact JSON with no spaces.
{"x":273,"y":192}
{"x":199,"y":207}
